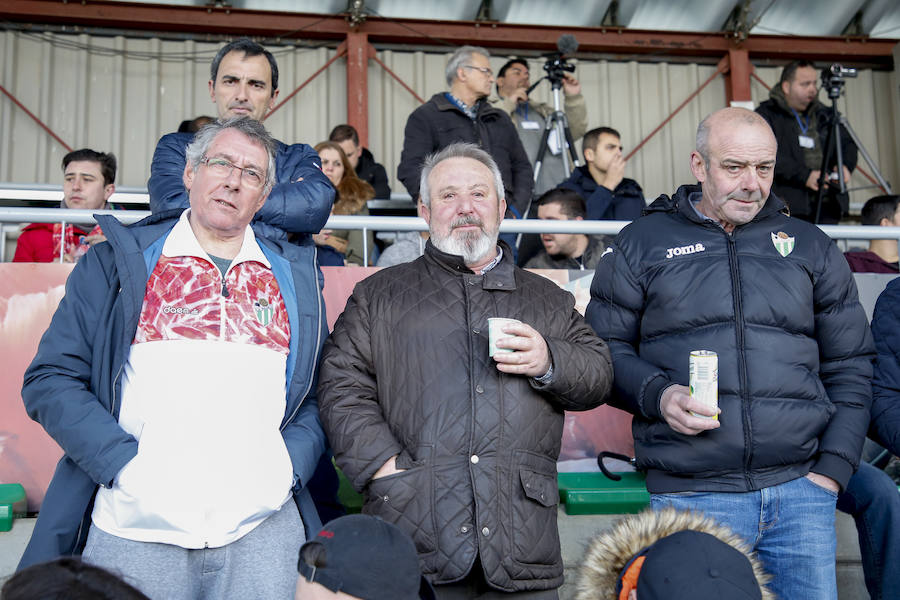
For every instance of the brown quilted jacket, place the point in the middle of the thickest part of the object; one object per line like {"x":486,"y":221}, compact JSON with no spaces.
{"x":407,"y":372}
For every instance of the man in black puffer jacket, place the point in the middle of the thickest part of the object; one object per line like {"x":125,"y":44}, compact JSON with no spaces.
{"x":456,"y":447}
{"x":721,"y":268}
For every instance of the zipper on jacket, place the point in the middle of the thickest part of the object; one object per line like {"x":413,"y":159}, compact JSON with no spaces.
{"x":742,"y":359}
{"x":318,"y":346}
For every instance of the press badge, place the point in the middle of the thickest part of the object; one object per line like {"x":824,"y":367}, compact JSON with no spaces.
{"x":530,"y":125}
{"x":806,"y":141}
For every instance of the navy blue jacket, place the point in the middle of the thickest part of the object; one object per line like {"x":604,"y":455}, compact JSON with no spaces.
{"x":885,"y":426}
{"x":792,"y":340}
{"x":73,"y":386}
{"x":625,"y":203}
{"x":292,"y":206}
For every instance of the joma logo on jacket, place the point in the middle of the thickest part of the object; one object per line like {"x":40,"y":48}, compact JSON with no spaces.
{"x":682,"y":250}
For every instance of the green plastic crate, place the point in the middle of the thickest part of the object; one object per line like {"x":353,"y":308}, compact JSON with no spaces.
{"x":12,"y":504}
{"x":596,"y":494}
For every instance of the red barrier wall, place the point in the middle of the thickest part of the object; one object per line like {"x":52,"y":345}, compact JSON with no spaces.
{"x":29,"y":294}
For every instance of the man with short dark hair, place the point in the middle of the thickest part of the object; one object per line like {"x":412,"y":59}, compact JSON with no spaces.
{"x":362,"y":160}
{"x":463,"y":114}
{"x":244,"y":82}
{"x":719,"y":267}
{"x":566,"y":250}
{"x":530,"y":117}
{"x":177,"y":375}
{"x":601,"y":181}
{"x":455,"y":446}
{"x":801,"y":124}
{"x":88,"y":182}
{"x":881,"y":256}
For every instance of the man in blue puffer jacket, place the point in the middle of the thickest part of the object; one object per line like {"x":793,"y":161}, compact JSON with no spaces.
{"x":178,"y":375}
{"x":719,"y":267}
{"x":244,"y":82}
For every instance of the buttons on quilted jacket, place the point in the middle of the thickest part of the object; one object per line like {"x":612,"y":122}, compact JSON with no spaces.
{"x":474,"y":459}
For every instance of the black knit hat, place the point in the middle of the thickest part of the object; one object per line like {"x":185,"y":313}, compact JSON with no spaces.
{"x":365,"y":557}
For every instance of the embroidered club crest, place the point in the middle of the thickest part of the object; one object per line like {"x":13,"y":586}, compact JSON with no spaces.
{"x":783,"y":243}
{"x":264,"y":311}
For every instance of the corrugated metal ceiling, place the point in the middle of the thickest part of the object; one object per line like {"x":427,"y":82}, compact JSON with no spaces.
{"x":875,"y":18}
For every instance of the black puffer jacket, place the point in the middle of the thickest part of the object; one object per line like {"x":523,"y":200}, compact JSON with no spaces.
{"x":374,"y":174}
{"x":439,"y":123}
{"x":793,"y":343}
{"x":407,"y":372}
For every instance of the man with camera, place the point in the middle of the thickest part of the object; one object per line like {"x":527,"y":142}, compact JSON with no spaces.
{"x":801,"y":125}
{"x":530,"y":119}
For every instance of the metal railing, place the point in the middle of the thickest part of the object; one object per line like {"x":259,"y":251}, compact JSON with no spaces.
{"x":375,"y":223}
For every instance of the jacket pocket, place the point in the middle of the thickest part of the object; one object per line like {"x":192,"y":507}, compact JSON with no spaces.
{"x":535,"y":533}
{"x":406,"y":500}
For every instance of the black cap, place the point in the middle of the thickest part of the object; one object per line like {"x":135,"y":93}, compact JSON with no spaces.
{"x":365,"y":557}
{"x":696,"y":565}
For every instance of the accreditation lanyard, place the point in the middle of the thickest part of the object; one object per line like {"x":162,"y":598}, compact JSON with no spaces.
{"x":803,"y":127}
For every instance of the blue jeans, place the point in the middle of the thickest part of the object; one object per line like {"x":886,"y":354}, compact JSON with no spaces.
{"x":872,"y":500}
{"x":790,"y":526}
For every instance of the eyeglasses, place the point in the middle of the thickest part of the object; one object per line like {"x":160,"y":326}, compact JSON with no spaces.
{"x":221,"y":167}
{"x":486,"y":70}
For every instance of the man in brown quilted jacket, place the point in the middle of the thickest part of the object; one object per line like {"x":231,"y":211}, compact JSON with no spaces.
{"x":454,"y":446}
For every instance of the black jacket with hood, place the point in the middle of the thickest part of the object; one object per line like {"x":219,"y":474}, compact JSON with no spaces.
{"x":776,"y":301}
{"x":791,"y":171}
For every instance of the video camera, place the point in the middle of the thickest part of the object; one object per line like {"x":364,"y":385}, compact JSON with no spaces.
{"x":557,"y":65}
{"x":833,"y":79}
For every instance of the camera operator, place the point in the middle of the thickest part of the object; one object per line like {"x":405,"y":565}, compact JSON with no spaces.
{"x":530,"y":118}
{"x":801,"y":125}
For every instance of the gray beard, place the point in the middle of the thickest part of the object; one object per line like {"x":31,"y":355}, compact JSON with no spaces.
{"x":472,"y":246}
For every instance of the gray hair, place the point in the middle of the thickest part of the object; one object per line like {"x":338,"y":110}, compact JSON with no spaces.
{"x":462,"y":56}
{"x":458,"y":150}
{"x":251,"y":128}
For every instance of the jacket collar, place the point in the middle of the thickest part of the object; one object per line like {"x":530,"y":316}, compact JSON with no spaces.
{"x":501,"y":277}
{"x":680,"y":202}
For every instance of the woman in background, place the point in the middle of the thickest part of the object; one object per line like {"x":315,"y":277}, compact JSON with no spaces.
{"x":352,"y":195}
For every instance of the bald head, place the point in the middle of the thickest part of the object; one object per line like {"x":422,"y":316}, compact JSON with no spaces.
{"x":727,"y":119}
{"x":735,"y":163}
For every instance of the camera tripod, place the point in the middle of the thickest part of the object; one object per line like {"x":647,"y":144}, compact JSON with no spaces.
{"x":833,"y":80}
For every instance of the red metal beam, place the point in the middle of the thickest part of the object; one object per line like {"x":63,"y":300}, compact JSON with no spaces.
{"x":358,"y":52}
{"x":737,"y":78}
{"x":400,"y":81}
{"x":34,"y":118}
{"x":721,"y":68}
{"x":229,"y":21}
{"x":341,"y":51}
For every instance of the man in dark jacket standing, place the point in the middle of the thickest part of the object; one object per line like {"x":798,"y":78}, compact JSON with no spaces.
{"x":457,"y":447}
{"x":464,"y":115}
{"x":178,"y":377}
{"x":801,"y":125}
{"x":601,"y":181}
{"x":362,"y":160}
{"x":721,"y":268}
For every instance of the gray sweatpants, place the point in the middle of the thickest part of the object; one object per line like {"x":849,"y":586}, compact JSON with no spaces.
{"x":262,"y":564}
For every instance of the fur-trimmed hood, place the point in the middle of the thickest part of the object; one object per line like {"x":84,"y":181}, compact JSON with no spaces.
{"x":608,"y":553}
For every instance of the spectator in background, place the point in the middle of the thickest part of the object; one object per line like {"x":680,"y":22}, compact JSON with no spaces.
{"x":67,"y":579}
{"x":464,"y":115}
{"x":88,"y":182}
{"x":801,"y":125}
{"x":530,"y":117}
{"x":244,"y":82}
{"x":407,"y":246}
{"x":361,"y":160}
{"x":670,"y":555}
{"x":609,"y":195}
{"x":881,"y":257}
{"x":566,"y":250}
{"x":352,"y":195}
{"x":194,"y":125}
